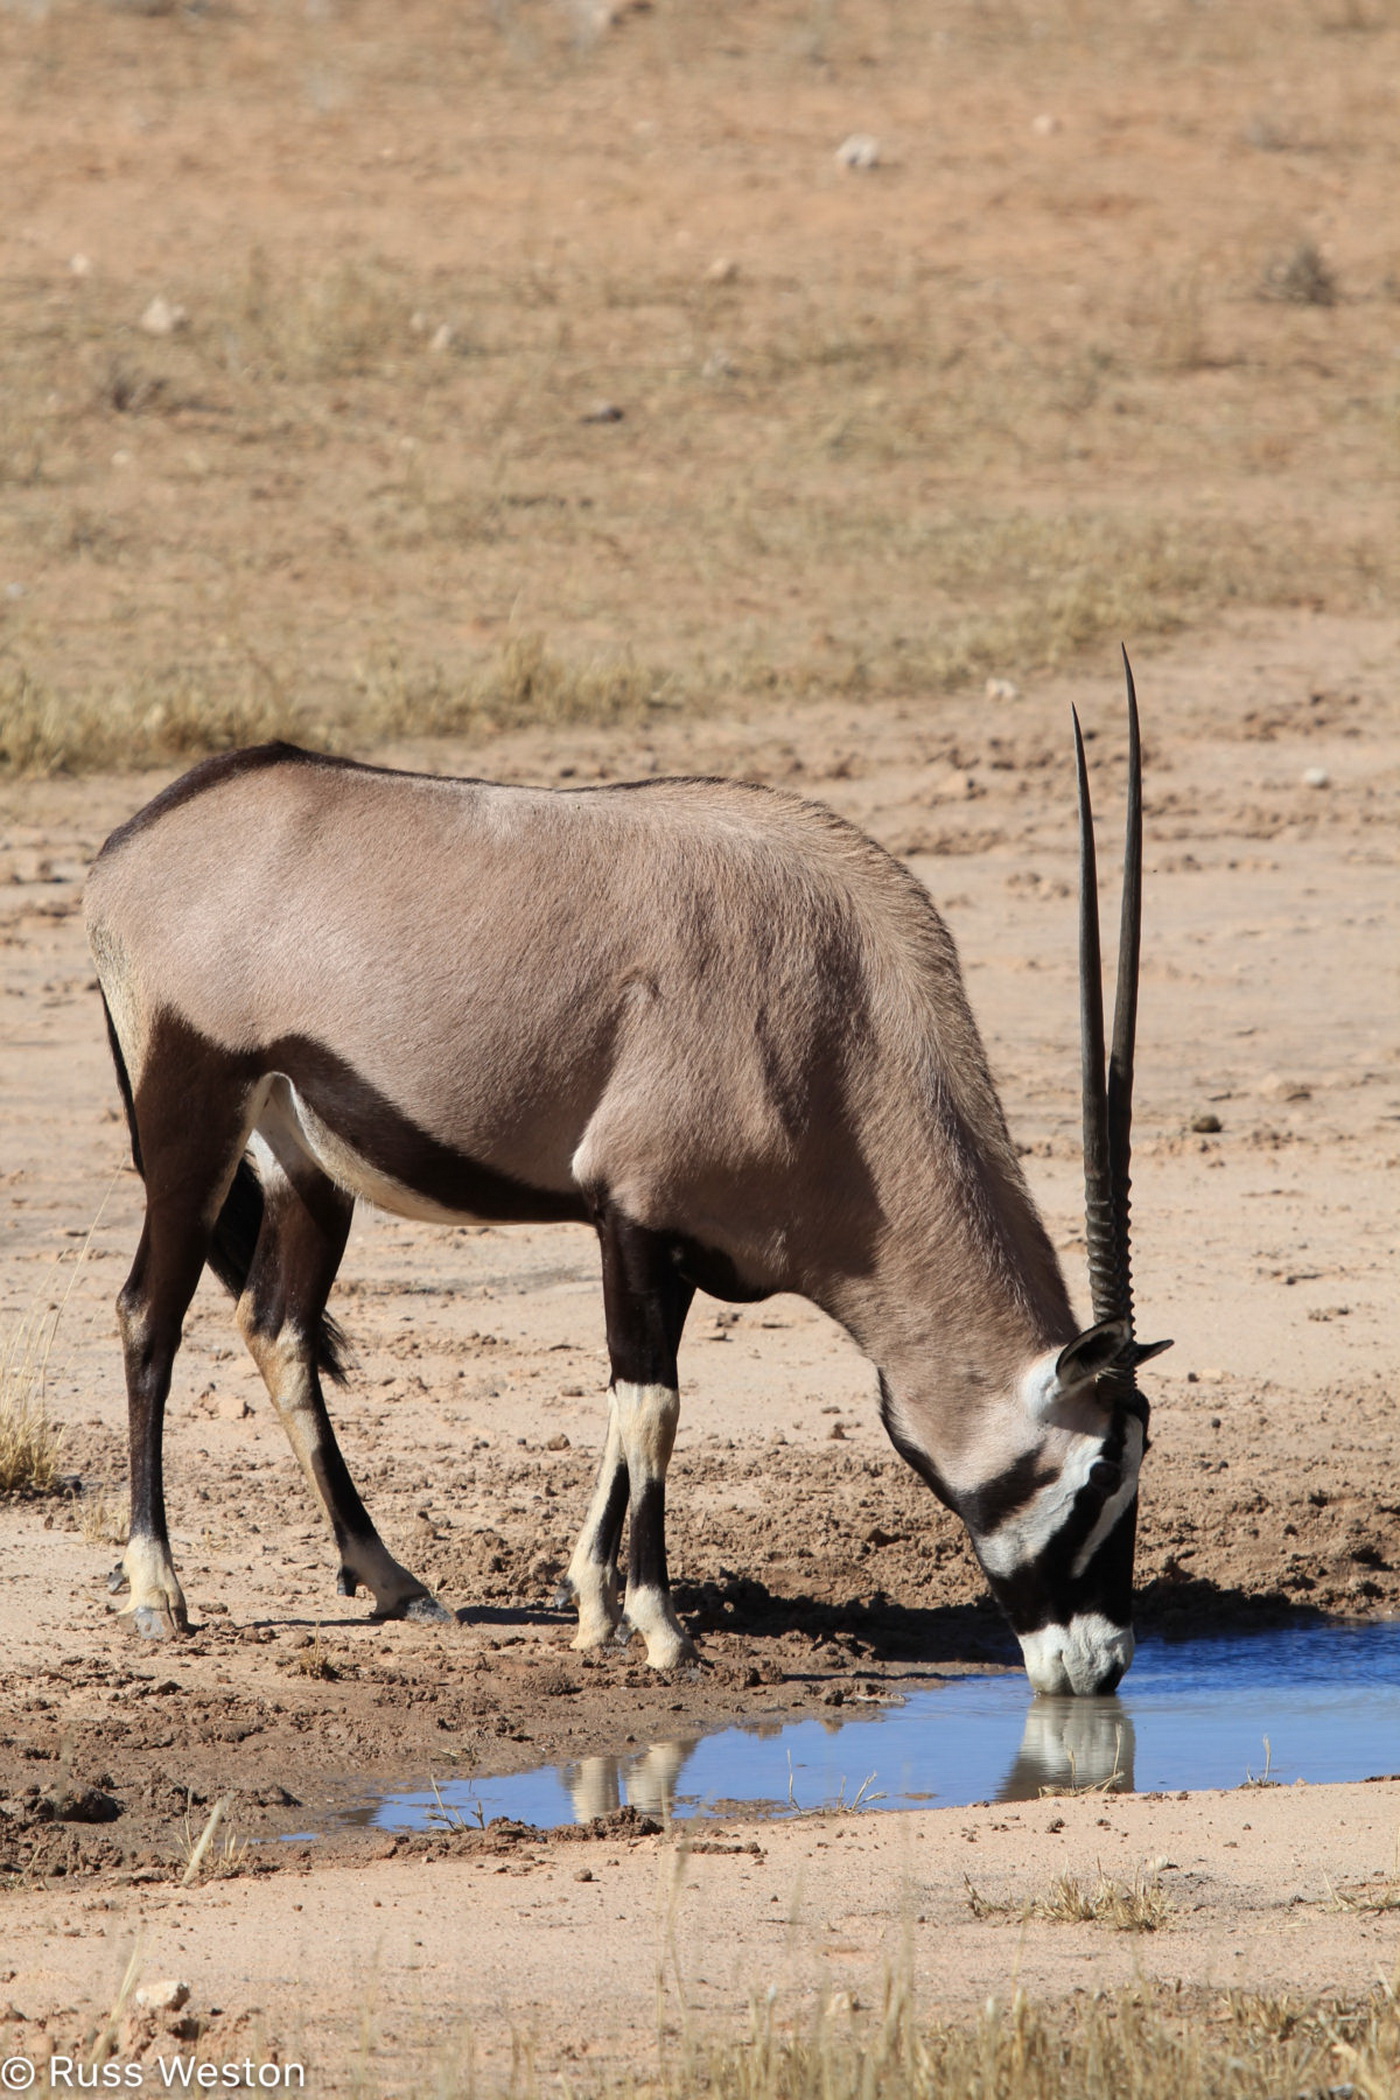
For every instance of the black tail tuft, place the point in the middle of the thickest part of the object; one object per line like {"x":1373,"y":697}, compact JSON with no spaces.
{"x":124,"y":1088}
{"x":239,"y":1223}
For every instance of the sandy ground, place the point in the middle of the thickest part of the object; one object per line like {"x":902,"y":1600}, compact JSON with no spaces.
{"x":803,"y":1559}
{"x":607,"y":1950}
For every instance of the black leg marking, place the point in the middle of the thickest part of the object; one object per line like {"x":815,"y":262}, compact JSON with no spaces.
{"x":646,"y":1300}
{"x":305,"y":1225}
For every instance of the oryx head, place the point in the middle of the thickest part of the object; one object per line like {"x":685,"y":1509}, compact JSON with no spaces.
{"x":1055,"y":1533}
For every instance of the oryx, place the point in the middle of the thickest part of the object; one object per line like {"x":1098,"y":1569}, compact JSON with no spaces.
{"x":713,"y":1020}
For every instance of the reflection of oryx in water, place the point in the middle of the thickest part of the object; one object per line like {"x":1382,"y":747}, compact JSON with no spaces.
{"x":1072,"y":1743}
{"x":712,"y":1021}
{"x":641,"y":1779}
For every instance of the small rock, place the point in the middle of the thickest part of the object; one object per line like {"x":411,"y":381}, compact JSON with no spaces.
{"x":163,"y":318}
{"x":1001,"y":689}
{"x":558,"y":1442}
{"x":441,"y":339}
{"x":1206,"y":1125}
{"x":1317,"y":777}
{"x":232,"y":1407}
{"x":954,"y":786}
{"x":1045,"y":126}
{"x":166,"y":1996}
{"x":583,"y":1874}
{"x":723,"y":270}
{"x":1275,"y":1087}
{"x":602,"y":412}
{"x":419,"y":323}
{"x":836,"y":1434}
{"x":719,"y":365}
{"x":859,"y":151}
{"x":80,"y":265}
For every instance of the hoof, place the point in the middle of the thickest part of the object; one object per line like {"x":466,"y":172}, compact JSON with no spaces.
{"x":156,"y":1622}
{"x":424,"y":1610}
{"x":118,"y":1581}
{"x":665,"y":1654}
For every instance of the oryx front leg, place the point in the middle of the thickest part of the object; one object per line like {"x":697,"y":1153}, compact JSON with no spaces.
{"x":593,"y":1577}
{"x":647,"y":1418}
{"x":303,"y":1235}
{"x":646,"y":1301}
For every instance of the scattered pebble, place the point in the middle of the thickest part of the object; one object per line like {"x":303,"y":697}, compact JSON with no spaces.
{"x":602,"y":412}
{"x":14,"y":590}
{"x":558,"y":1442}
{"x":1001,"y":689}
{"x":1275,"y":1087}
{"x":1045,"y":126}
{"x":719,"y":365}
{"x":584,"y":1874}
{"x":723,"y":270}
{"x":1206,"y":1124}
{"x":441,"y":339}
{"x":162,"y":317}
{"x":836,"y":1434}
{"x":859,"y":151}
{"x":121,"y":457}
{"x":80,"y":265}
{"x":1317,"y":777}
{"x":167,"y":1996}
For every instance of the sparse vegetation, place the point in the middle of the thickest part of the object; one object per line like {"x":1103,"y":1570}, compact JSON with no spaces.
{"x":31,"y":1445}
{"x":1152,"y":2042}
{"x":1140,"y":1905}
{"x":350,"y":495}
{"x":1302,"y":277}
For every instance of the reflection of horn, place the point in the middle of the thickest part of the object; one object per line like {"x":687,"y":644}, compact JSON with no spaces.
{"x":1073,"y":1744}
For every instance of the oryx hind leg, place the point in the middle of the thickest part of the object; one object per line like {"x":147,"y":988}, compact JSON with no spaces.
{"x":305,"y":1225}
{"x":646,"y":1301}
{"x":189,"y":1125}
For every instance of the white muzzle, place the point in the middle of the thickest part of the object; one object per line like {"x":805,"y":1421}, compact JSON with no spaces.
{"x":1088,"y":1655}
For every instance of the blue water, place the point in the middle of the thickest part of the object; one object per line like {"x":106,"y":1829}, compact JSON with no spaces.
{"x":1325,"y":1700}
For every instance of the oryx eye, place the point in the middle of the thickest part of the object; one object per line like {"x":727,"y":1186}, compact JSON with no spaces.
{"x":1105,"y":1476}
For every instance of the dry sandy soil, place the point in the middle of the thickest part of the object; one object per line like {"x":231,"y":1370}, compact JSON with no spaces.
{"x":1012,"y":393}
{"x":804,"y":1561}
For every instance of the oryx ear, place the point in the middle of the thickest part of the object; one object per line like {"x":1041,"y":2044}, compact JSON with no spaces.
{"x":1098,"y":1349}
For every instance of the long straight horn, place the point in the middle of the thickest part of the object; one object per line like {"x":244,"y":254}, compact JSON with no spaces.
{"x":1120,"y":1063}
{"x":1099,"y":1210}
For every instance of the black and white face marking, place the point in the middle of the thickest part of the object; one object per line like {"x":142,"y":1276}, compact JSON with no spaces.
{"x":1055,"y":1530}
{"x":1060,"y":1562}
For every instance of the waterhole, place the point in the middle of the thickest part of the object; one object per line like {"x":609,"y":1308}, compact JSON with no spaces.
{"x":1316,"y":1703}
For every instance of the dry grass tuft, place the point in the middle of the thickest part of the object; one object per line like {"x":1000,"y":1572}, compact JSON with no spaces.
{"x":179,"y":717}
{"x":1303,"y":277}
{"x":104,"y":1523}
{"x":1150,"y":2042}
{"x":206,"y":1859}
{"x":1141,"y":1905}
{"x":526,"y":683}
{"x":31,"y":1446}
{"x":1371,"y":1896}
